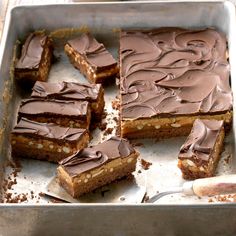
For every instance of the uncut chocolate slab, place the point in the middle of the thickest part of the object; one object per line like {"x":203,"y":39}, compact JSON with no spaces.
{"x":97,"y":166}
{"x":171,"y":76}
{"x":46,"y":141}
{"x":200,"y":154}
{"x":64,"y":113}
{"x":93,"y":93}
{"x":91,"y":58}
{"x":35,"y":59}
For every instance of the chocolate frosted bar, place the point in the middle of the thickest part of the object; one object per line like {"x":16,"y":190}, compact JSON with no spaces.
{"x":43,"y":141}
{"x":97,"y":166}
{"x":35,"y":60}
{"x":75,"y":114}
{"x":93,"y":93}
{"x":91,"y":58}
{"x":200,"y":154}
{"x":170,"y":77}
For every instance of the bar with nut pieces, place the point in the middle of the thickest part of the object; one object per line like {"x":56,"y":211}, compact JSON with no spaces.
{"x":97,"y":166}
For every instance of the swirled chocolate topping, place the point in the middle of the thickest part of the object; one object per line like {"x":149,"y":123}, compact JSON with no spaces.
{"x":94,"y":52}
{"x":48,"y":131}
{"x":66,"y":90}
{"x":36,"y":107}
{"x":172,"y":71}
{"x":201,"y":140}
{"x":32,"y":51}
{"x":96,"y":156}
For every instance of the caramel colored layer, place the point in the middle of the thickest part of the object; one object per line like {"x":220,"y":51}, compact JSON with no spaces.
{"x":167,"y":127}
{"x":93,"y":179}
{"x":45,"y":149}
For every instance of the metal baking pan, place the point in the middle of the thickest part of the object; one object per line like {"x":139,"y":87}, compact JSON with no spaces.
{"x":172,"y":215}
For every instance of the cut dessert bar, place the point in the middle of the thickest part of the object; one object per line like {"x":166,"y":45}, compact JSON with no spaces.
{"x":93,"y":93}
{"x":200,"y":154}
{"x":74,"y":114}
{"x":49,"y":142}
{"x":97,"y":166}
{"x":91,"y":58}
{"x":35,"y":60}
{"x":169,"y":77}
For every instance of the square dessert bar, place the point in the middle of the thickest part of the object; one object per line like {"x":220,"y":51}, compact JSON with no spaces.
{"x":91,"y":58}
{"x":93,"y":93}
{"x":200,"y":154}
{"x":35,"y":59}
{"x":169,"y":77}
{"x":97,"y":166}
{"x":74,"y":114}
{"x":48,"y":142}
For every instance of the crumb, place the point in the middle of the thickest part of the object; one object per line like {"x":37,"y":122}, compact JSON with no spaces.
{"x":108,"y":131}
{"x":42,"y":194}
{"x":137,"y":144}
{"x":227,"y":159}
{"x":115,"y":119}
{"x":102,"y":126}
{"x":145,"y":164}
{"x":116,"y":104}
{"x":55,"y":200}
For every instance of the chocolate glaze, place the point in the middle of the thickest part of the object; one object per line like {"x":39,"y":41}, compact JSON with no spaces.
{"x":66,"y":90}
{"x":49,"y":131}
{"x":172,"y":71}
{"x":96,"y":156}
{"x":32,"y":51}
{"x":94,"y":52}
{"x":201,"y":141}
{"x":35,"y":106}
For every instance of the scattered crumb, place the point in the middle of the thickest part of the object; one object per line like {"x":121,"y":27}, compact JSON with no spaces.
{"x":115,"y":119}
{"x":42,"y":194}
{"x":137,"y":144}
{"x":223,"y":198}
{"x":227,"y":159}
{"x":102,"y":126}
{"x":116,"y":104}
{"x":145,"y":164}
{"x":108,"y":131}
{"x":55,"y":200}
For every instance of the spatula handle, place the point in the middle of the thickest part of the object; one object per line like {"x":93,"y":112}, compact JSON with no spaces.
{"x":214,"y":185}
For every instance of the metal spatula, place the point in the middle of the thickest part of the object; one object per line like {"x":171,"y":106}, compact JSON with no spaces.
{"x":202,"y":187}
{"x":124,"y":191}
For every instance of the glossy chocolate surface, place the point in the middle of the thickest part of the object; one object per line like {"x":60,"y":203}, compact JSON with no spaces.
{"x":201,"y":141}
{"x":32,"y":51}
{"x":66,"y":90}
{"x":48,"y":130}
{"x":96,"y":156}
{"x":172,"y":71}
{"x":35,"y":106}
{"x":94,"y":52}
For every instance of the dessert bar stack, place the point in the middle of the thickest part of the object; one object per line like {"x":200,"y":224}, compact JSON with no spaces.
{"x":173,"y":82}
{"x":35,"y":59}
